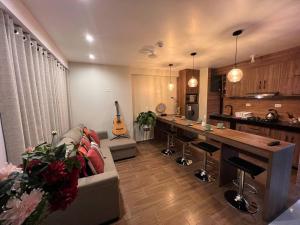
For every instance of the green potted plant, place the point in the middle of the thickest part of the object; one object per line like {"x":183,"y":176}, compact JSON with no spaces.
{"x":146,"y":120}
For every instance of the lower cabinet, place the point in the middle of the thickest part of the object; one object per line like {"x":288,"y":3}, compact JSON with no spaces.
{"x":262,"y":131}
{"x":288,"y":137}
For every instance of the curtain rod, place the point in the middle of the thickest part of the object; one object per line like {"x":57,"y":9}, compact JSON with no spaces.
{"x":28,"y":32}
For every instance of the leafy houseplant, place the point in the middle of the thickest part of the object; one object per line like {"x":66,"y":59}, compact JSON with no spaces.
{"x":146,"y":120}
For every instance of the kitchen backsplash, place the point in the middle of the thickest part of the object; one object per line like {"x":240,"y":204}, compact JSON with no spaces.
{"x":259,"y":107}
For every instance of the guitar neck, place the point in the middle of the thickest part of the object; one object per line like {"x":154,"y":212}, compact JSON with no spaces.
{"x":117,"y":109}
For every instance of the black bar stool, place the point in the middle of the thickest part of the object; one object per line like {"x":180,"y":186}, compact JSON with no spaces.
{"x":237,"y":199}
{"x":202,"y":174}
{"x":185,"y":143}
{"x":170,"y":141}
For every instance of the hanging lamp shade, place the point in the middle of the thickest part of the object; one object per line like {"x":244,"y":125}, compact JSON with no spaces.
{"x":193,"y":82}
{"x":170,"y":84}
{"x":235,"y":74}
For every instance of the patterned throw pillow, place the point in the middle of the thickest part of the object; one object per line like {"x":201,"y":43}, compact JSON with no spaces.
{"x":85,"y":142}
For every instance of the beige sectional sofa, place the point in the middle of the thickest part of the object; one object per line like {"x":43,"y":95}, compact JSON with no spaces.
{"x":98,"y":198}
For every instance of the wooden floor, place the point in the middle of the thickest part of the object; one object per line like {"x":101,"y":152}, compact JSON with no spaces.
{"x":155,"y":190}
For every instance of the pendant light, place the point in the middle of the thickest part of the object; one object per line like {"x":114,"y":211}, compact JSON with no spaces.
{"x":170,"y":85}
{"x":193,"y":82}
{"x":235,"y":74}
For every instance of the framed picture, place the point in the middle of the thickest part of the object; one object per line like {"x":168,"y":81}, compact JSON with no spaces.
{"x":3,"y":153}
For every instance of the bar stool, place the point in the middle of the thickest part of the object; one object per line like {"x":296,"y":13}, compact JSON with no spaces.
{"x":237,"y":199}
{"x":170,"y":142}
{"x":185,"y":143}
{"x":202,"y":174}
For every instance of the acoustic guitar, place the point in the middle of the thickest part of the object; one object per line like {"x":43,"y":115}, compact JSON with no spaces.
{"x":119,"y":128}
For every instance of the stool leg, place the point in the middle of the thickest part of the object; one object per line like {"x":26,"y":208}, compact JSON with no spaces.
{"x":248,"y":187}
{"x":168,"y":150}
{"x":182,"y":160}
{"x":203,"y":174}
{"x":237,"y":199}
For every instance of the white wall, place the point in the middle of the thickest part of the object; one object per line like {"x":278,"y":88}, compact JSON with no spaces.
{"x":203,"y":92}
{"x":149,"y":88}
{"x":93,"y":90}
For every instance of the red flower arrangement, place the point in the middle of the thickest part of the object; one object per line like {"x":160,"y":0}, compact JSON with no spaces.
{"x":49,"y":173}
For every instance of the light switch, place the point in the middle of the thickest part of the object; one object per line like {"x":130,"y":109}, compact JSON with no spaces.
{"x":277,"y":105}
{"x":248,"y":104}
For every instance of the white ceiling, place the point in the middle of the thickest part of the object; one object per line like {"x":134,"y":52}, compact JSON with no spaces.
{"x":122,"y":27}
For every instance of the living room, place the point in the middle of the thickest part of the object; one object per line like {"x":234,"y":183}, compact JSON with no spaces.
{"x":149,"y":112}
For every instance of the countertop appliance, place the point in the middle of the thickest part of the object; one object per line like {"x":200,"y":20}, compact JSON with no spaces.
{"x":192,"y":112}
{"x":272,"y":115}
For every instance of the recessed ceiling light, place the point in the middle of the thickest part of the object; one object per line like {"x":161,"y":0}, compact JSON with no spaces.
{"x":91,"y":56}
{"x":89,"y":38}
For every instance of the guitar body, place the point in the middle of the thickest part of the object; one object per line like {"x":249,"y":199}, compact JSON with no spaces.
{"x":119,"y":128}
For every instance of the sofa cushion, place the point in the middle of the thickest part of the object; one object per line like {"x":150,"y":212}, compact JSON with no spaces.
{"x":119,"y":144}
{"x":75,"y":134}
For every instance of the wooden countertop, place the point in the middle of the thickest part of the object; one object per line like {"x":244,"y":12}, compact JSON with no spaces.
{"x":251,"y":142}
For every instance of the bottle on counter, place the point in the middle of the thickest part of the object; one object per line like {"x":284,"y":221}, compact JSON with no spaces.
{"x":203,"y":124}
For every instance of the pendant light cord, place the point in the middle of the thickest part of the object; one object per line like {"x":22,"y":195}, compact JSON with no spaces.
{"x":170,"y":75}
{"x":193,"y":65}
{"x":235,"y":51}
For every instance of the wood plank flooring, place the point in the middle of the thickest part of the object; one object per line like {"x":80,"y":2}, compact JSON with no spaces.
{"x":157,"y":191}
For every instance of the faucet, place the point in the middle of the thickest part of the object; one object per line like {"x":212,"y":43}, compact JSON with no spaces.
{"x":231,"y":109}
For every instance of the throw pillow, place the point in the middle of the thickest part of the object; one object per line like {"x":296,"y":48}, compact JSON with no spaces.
{"x":94,"y":137}
{"x":82,"y":151}
{"x":96,"y":162}
{"x":85,"y":142}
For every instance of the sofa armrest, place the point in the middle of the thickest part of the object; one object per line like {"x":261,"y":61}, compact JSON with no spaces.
{"x":98,"y":201}
{"x":102,"y":134}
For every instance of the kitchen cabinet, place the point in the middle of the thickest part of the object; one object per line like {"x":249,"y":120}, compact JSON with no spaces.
{"x":288,"y":137}
{"x":296,"y":85}
{"x":232,"y":89}
{"x":278,"y":76}
{"x":262,"y":131}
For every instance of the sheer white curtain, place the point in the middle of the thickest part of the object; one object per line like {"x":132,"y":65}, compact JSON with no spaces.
{"x":33,"y":90}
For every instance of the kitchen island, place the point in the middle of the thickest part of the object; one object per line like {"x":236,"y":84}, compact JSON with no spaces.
{"x":279,"y":160}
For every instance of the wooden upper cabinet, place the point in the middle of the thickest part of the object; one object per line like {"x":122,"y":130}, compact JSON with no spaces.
{"x":233,"y":89}
{"x":248,"y":82}
{"x":296,"y":65}
{"x":183,"y":89}
{"x":295,"y":84}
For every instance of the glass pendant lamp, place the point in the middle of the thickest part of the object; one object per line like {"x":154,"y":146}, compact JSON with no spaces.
{"x":235,"y":74}
{"x":170,"y":84}
{"x":193,"y":82}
